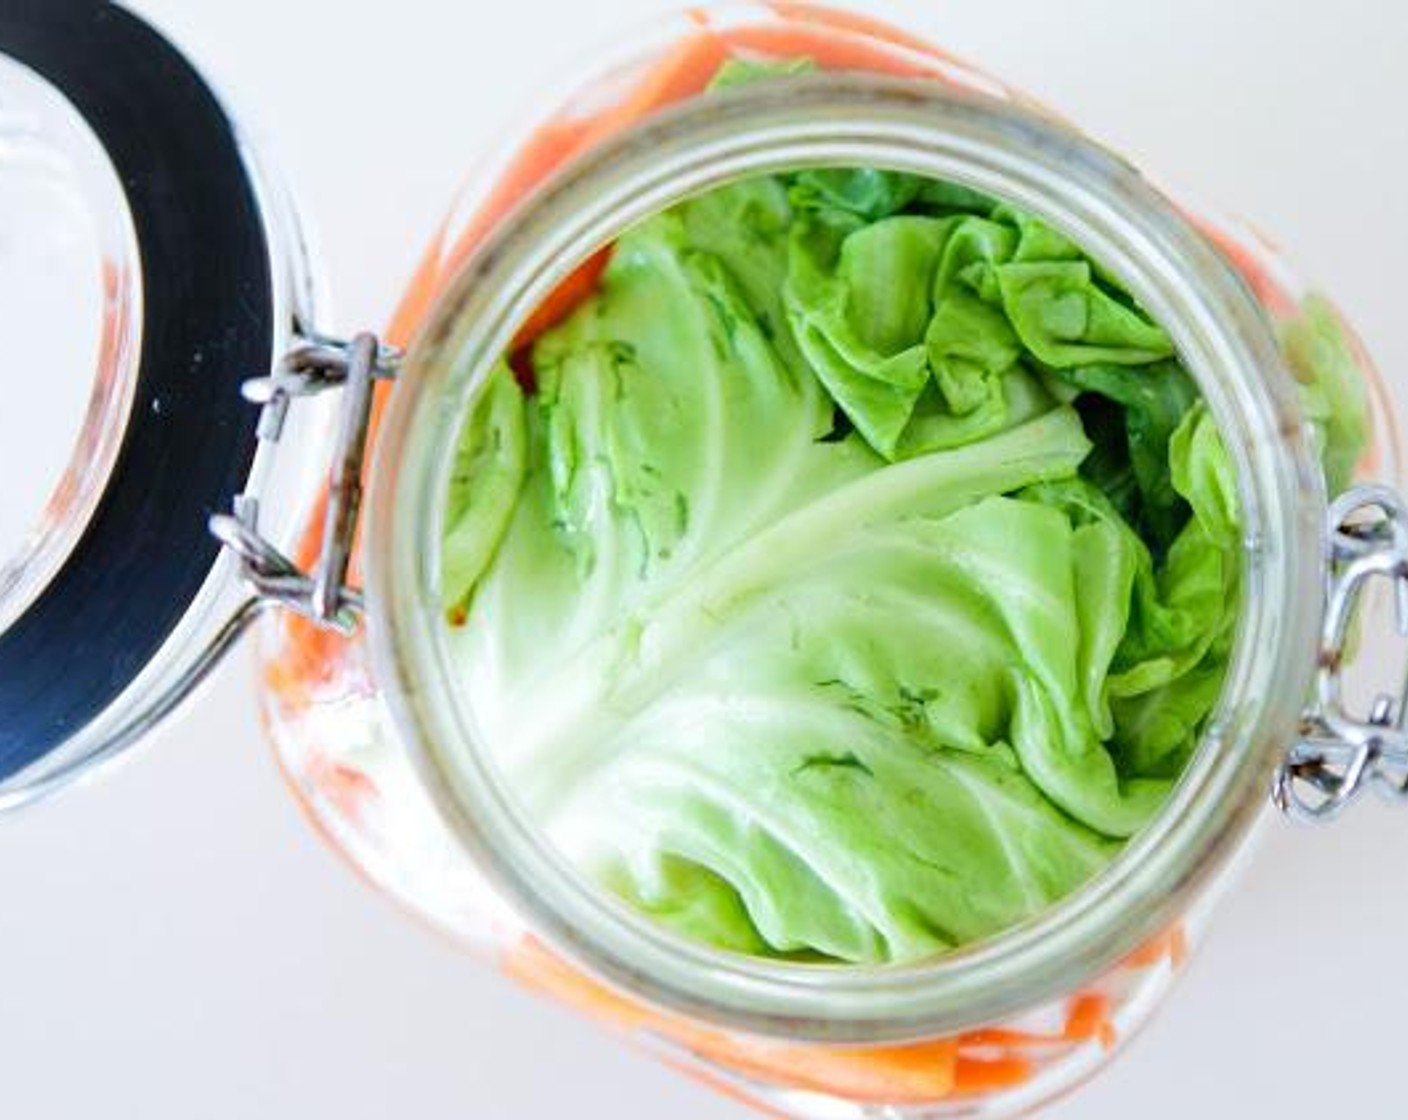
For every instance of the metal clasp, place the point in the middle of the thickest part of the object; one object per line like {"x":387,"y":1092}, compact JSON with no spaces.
{"x":1339,"y":753}
{"x":321,"y":594}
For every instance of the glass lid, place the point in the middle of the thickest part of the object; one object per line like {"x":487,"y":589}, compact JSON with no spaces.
{"x":136,"y":294}
{"x":70,"y":294}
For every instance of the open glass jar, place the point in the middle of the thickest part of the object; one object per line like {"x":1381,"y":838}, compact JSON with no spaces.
{"x":359,"y":691}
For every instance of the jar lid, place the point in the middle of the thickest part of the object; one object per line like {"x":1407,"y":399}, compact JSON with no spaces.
{"x":137,"y":293}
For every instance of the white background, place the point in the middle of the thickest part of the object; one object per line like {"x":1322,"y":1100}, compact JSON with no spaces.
{"x":175,"y":943}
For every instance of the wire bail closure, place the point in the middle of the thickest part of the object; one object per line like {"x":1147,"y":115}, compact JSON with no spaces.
{"x":321,"y":594}
{"x":1340,"y":754}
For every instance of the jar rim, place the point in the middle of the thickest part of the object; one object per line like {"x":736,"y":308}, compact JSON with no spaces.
{"x":1102,"y":203}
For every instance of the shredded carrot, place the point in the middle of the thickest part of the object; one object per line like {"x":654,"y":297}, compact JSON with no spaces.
{"x":1006,"y":1038}
{"x":419,"y":293}
{"x":827,"y":49}
{"x":1089,"y":1018}
{"x":1264,"y":286}
{"x":684,"y":70}
{"x":973,"y":1076}
{"x":546,"y":149}
{"x":563,"y":300}
{"x":534,"y":965}
{"x":1177,"y":947}
{"x":858,"y":24}
{"x":309,"y":655}
{"x":1171,"y":945}
{"x":348,"y":790}
{"x":909,"y":1073}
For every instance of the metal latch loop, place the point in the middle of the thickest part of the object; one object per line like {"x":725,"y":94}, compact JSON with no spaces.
{"x":1340,"y":753}
{"x":322,"y":593}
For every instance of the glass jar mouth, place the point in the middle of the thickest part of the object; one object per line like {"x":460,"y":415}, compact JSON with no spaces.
{"x":1101,"y":203}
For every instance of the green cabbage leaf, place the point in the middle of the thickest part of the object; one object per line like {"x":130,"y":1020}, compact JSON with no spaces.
{"x":857,"y":575}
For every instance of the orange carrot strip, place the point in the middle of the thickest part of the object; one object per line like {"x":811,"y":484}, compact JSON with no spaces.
{"x":685,"y":69}
{"x":349,"y":791}
{"x":530,"y":963}
{"x":563,"y":300}
{"x":1178,"y":947}
{"x":1265,"y":286}
{"x":973,"y":1076}
{"x":1089,"y":1018}
{"x":827,"y":49}
{"x":1171,"y":945}
{"x":546,"y":149}
{"x":858,"y":24}
{"x":415,"y":300}
{"x":908,"y":1073}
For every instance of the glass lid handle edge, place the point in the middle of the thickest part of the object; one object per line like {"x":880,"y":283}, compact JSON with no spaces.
{"x":1339,"y":753}
{"x":322,"y":593}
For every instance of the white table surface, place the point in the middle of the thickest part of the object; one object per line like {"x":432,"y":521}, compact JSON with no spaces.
{"x":175,"y":943}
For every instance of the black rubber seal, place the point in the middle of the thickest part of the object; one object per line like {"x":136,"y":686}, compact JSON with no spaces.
{"x":207,"y":324}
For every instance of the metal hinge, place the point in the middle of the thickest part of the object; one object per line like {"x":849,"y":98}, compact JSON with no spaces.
{"x":1340,"y":753}
{"x":322,"y":593}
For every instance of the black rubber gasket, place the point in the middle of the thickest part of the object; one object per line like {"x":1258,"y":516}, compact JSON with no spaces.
{"x":207,"y":324}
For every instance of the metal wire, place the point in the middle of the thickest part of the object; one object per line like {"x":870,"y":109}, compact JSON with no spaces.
{"x":1339,"y":754}
{"x":322,"y":594}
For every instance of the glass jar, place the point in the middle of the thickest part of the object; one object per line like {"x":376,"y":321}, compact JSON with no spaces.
{"x":358,"y":689}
